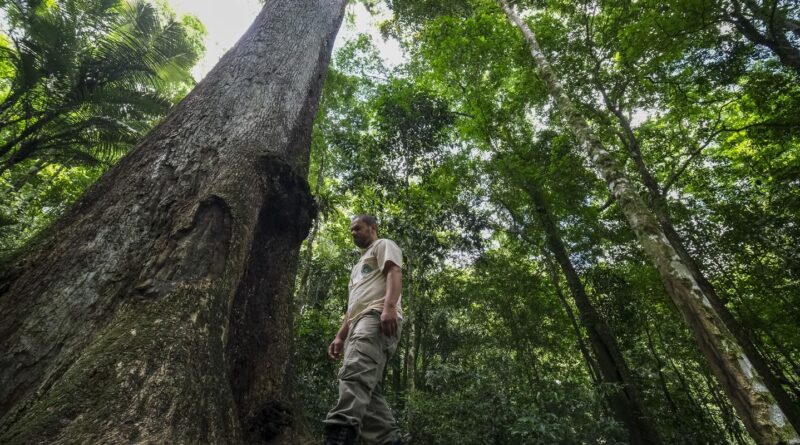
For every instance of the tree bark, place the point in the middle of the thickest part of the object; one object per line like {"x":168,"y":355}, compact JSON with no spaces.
{"x":305,"y":276}
{"x":158,"y":309}
{"x":626,"y":401}
{"x":763,"y":418}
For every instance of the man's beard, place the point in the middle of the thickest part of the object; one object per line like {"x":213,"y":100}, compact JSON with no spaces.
{"x":361,"y":242}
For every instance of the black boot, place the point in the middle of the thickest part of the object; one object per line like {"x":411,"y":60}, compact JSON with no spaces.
{"x":340,"y":435}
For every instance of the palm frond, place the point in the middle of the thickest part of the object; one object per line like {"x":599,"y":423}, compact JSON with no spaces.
{"x":101,"y":72}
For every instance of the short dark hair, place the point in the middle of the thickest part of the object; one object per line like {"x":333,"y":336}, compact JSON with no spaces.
{"x":367,"y":219}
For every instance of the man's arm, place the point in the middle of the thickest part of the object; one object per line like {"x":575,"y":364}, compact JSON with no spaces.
{"x":394,"y":283}
{"x":337,"y":345}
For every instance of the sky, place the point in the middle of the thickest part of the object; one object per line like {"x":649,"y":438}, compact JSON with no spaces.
{"x":226,"y":22}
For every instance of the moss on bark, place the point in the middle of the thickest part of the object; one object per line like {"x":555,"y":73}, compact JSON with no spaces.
{"x":156,"y":372}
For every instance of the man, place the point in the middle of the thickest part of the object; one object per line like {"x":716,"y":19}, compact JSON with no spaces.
{"x":368,"y":337}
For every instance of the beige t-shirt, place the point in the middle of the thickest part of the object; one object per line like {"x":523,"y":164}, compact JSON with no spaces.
{"x":367,"y":280}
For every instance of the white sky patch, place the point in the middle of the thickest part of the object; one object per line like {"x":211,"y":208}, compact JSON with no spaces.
{"x":366,"y":23}
{"x":226,"y":22}
{"x":641,"y":115}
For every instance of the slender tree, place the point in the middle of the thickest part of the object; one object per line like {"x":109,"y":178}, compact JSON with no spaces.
{"x":617,"y":90}
{"x":158,"y":308}
{"x":753,"y":402}
{"x":625,"y":401}
{"x":657,"y":200}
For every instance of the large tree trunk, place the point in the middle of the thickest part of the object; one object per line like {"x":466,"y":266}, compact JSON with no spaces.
{"x":753,"y":402}
{"x":626,"y":401}
{"x":159,"y":308}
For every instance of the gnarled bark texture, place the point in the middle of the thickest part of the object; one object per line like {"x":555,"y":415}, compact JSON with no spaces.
{"x":758,"y":410}
{"x":157,"y":309}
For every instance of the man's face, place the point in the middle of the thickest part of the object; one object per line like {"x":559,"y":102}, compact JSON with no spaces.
{"x":363,"y":235}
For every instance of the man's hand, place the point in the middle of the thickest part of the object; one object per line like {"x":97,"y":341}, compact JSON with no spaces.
{"x":389,"y":321}
{"x":335,"y":348}
{"x":394,"y":282}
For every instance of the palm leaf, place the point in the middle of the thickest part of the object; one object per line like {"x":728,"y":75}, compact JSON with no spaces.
{"x":101,"y":71}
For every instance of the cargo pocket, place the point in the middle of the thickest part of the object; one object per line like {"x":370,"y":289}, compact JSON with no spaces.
{"x":362,"y":363}
{"x":367,"y":349}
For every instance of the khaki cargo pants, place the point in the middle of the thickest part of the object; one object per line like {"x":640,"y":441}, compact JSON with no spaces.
{"x":361,"y":402}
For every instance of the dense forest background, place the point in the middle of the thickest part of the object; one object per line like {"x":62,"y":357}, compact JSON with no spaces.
{"x":524,"y":283}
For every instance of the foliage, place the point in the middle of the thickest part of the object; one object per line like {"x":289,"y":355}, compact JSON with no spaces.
{"x":446,"y":143}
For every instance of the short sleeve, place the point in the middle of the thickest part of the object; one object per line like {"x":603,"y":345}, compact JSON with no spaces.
{"x":387,"y":250}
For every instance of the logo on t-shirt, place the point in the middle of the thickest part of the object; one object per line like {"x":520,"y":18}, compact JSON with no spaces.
{"x":366,"y":269}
